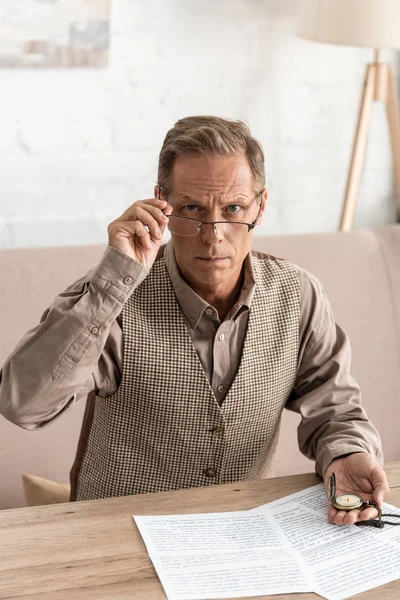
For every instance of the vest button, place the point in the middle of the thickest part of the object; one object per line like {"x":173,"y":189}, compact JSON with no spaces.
{"x":210,"y":472}
{"x":218,"y":431}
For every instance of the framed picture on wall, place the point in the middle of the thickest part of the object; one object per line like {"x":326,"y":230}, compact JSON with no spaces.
{"x":54,"y":33}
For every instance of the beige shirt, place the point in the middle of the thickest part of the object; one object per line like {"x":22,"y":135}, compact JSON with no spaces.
{"x":78,"y":348}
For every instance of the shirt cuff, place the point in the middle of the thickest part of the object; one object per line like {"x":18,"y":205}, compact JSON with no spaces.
{"x":330,"y":452}
{"x":118,"y":274}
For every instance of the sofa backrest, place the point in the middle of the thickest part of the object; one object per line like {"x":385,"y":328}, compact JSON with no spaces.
{"x":360,"y":271}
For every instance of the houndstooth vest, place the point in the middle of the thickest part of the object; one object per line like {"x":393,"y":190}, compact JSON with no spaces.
{"x":163,"y":429}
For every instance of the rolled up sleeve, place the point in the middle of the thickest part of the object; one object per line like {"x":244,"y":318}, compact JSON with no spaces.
{"x":76,"y":347}
{"x":328,"y":399}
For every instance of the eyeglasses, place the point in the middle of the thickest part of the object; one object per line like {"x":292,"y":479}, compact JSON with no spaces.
{"x":188,"y":227}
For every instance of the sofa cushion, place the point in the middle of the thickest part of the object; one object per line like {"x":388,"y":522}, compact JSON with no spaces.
{"x":39,"y":491}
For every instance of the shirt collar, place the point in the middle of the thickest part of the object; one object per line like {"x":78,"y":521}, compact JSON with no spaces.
{"x":191,"y":304}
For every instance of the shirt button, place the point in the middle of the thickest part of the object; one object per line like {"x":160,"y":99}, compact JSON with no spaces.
{"x":218,"y":431}
{"x":221,"y":337}
{"x":192,"y":319}
{"x":95,"y":330}
{"x":128,"y":280}
{"x":220,"y":389}
{"x":209,"y":311}
{"x":210,"y":473}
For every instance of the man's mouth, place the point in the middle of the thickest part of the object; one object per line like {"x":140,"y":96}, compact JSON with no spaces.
{"x":212,"y":258}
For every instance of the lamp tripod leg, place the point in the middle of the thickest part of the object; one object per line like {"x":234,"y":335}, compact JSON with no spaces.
{"x":359,"y":148}
{"x":393,"y":113}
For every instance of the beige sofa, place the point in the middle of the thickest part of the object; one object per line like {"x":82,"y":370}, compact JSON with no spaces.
{"x":360,"y":271}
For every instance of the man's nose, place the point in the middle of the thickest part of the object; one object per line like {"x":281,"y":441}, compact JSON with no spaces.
{"x":210,"y":234}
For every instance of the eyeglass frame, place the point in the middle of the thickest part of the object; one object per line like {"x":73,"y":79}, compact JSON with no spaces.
{"x":214,"y":223}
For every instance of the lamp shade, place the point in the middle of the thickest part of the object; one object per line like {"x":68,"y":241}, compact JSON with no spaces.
{"x":373,"y":23}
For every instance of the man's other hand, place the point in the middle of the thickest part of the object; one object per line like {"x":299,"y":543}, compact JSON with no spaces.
{"x":139,"y":231}
{"x":356,"y":474}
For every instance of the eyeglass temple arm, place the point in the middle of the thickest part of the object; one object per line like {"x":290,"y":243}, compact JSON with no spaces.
{"x":254,"y":223}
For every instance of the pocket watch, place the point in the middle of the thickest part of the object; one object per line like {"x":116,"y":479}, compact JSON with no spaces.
{"x":348,"y":502}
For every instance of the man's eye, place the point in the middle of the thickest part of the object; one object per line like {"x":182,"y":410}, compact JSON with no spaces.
{"x":234,"y":208}
{"x":191,"y":207}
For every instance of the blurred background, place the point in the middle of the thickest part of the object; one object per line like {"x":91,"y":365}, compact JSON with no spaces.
{"x":79,"y":145}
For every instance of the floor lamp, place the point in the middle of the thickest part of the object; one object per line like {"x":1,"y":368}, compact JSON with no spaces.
{"x":372,"y":23}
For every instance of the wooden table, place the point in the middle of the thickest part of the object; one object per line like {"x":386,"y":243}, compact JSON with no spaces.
{"x":93,"y":549}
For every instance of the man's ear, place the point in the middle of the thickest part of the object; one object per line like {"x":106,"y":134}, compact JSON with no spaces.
{"x":157,"y":191}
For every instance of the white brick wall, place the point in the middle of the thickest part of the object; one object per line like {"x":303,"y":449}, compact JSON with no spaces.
{"x":78,"y":146}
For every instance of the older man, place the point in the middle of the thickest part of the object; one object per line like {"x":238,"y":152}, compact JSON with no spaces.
{"x":192,"y":350}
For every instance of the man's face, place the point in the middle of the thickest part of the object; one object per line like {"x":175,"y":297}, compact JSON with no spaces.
{"x":214,"y":189}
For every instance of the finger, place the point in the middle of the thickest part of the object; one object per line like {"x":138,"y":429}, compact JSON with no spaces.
{"x":342,"y":517}
{"x":159,"y":213}
{"x":142,"y":235}
{"x":351,"y":517}
{"x":368,"y":513}
{"x":339,"y":517}
{"x":144,"y":216}
{"x":137,"y":210}
{"x":332,"y":512}
{"x":162,"y":216}
{"x":149,"y":201}
{"x":153,"y":205}
{"x":167,"y":210}
{"x":131,"y":229}
{"x":380,"y":485}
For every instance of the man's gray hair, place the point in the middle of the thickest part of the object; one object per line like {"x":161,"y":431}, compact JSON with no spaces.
{"x":210,"y":137}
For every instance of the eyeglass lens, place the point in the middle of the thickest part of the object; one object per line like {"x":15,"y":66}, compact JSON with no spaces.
{"x":188,"y":228}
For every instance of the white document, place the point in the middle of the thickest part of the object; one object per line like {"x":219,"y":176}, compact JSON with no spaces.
{"x":222,"y":555}
{"x":281,"y":547}
{"x":344,"y":560}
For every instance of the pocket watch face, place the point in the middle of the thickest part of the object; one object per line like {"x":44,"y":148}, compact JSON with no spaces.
{"x":347,"y":502}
